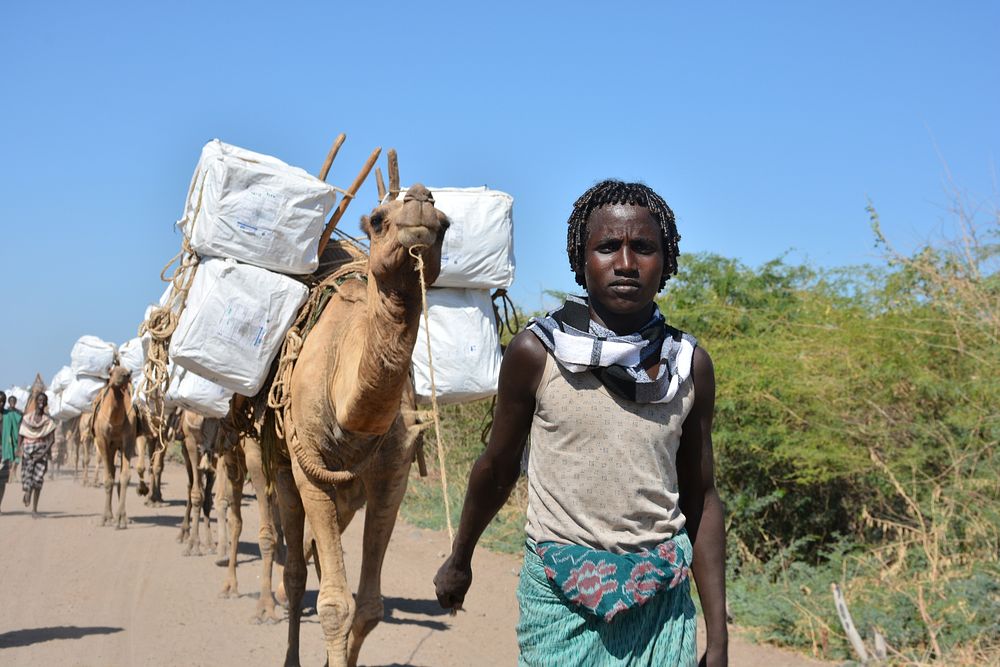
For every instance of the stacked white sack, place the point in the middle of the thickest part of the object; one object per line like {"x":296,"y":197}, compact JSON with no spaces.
{"x":464,"y":344}
{"x":478,"y":249}
{"x":58,"y":408}
{"x":93,"y":357}
{"x":80,"y":394}
{"x":132,"y":355}
{"x":62,"y":379}
{"x":234,"y":322}
{"x":255,"y":208}
{"x":192,"y":392}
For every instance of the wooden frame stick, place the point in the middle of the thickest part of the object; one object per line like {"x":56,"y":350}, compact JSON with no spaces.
{"x":346,"y":199}
{"x":393,"y":174}
{"x":331,"y":156}
{"x":380,"y":183}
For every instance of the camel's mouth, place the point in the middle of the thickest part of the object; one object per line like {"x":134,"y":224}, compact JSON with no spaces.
{"x":415,"y":236}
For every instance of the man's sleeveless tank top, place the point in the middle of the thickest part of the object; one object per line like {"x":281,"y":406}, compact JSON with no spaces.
{"x":601,"y":469}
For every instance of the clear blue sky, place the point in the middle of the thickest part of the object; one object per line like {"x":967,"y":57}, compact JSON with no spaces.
{"x":765,"y":127}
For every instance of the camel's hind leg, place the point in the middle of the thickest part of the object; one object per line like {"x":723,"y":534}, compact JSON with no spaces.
{"x":235,"y":473}
{"x":123,"y":481}
{"x":98,"y":459}
{"x":293,"y":524}
{"x":384,"y":488}
{"x":141,"y":466}
{"x":266,"y":535}
{"x":86,"y":445}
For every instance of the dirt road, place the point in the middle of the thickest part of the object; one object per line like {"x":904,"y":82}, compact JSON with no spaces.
{"x":77,"y":594}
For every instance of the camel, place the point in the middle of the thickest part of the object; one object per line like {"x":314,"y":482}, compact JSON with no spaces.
{"x":67,"y":435}
{"x":200,"y":435}
{"x":113,"y":428}
{"x":151,"y":455}
{"x":239,"y":461}
{"x":344,"y":428}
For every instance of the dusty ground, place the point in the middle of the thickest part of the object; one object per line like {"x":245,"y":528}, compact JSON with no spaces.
{"x":77,"y":594}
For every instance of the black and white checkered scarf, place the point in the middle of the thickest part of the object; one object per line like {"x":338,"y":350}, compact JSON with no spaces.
{"x":581,"y":345}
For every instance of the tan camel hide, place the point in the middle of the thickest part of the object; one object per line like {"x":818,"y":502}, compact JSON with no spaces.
{"x":113,"y":428}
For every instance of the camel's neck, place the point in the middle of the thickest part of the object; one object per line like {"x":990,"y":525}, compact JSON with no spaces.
{"x":117,"y":404}
{"x":373,"y":369}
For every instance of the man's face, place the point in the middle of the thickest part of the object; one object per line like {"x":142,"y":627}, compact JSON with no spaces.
{"x":12,"y":402}
{"x":623,"y":260}
{"x":3,"y":399}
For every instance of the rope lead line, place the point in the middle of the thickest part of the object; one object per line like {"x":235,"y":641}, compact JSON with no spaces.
{"x":416,"y":252}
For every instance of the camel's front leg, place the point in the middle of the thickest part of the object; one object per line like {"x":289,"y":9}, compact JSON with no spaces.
{"x":385,"y":487}
{"x":223,"y":497}
{"x":123,"y":487}
{"x":185,"y":533}
{"x":335,"y":606}
{"x":141,"y":466}
{"x":86,"y":445}
{"x":235,"y":474}
{"x":293,"y":521}
{"x":156,"y":457}
{"x":266,"y":534}
{"x":108,"y":457}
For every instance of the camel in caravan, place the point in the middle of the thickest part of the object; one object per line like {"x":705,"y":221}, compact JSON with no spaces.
{"x":113,"y":429}
{"x":151,"y":454}
{"x":347,"y":438}
{"x":199,"y":451}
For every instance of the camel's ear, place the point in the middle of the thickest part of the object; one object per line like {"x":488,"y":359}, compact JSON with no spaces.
{"x":372,"y":224}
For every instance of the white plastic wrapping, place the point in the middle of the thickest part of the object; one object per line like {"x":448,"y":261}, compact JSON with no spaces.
{"x":81,"y":393}
{"x":61,"y":410}
{"x":193,"y":392}
{"x":62,"y":379}
{"x":257,"y":209}
{"x":234,"y":322}
{"x":92,"y":356}
{"x":132,"y":354}
{"x":464,"y":343}
{"x":478,"y":250}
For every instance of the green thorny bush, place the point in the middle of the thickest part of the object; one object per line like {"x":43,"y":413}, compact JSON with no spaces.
{"x":856,"y":421}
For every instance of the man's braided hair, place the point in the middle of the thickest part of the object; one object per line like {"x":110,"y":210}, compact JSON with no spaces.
{"x":608,"y":193}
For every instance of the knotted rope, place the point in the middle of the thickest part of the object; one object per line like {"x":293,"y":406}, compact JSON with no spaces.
{"x":160,"y":325}
{"x":416,"y":252}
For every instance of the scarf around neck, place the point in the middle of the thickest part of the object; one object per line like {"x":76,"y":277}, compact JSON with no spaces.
{"x":580,"y":345}
{"x":36,"y":427}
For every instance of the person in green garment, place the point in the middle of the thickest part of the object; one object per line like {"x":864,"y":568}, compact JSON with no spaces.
{"x":10,"y":426}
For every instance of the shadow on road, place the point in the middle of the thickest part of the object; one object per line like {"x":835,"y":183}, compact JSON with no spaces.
{"x":31,"y":636}
{"x":158,"y":520}
{"x":415,"y":607}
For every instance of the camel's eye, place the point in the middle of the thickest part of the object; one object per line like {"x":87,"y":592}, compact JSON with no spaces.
{"x":377,"y":220}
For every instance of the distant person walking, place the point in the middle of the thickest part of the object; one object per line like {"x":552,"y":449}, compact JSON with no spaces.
{"x":38,"y":433}
{"x":10,"y":425}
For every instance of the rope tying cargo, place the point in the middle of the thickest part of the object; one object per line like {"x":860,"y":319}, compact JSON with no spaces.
{"x":416,"y":252}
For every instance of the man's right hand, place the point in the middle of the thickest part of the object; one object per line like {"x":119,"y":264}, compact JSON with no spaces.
{"x":451,"y":583}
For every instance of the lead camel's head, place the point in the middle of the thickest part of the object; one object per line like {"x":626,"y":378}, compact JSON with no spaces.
{"x":399,"y":226}
{"x":120,"y":377}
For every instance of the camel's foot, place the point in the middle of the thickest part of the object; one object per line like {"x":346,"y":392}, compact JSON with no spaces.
{"x":193,"y":549}
{"x":142,"y":489}
{"x":266,"y":610}
{"x":107,"y":520}
{"x":229,"y":589}
{"x":122,"y":522}
{"x":184,"y":536}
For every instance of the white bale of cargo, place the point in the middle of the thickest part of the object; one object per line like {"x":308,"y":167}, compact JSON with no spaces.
{"x":234,"y":323}
{"x":132,"y":355}
{"x":60,"y":410}
{"x":82,"y":392}
{"x":256,"y":209}
{"x":465,"y":347}
{"x":478,"y":249}
{"x":62,"y":379}
{"x":92,"y":356}
{"x":192,"y":392}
